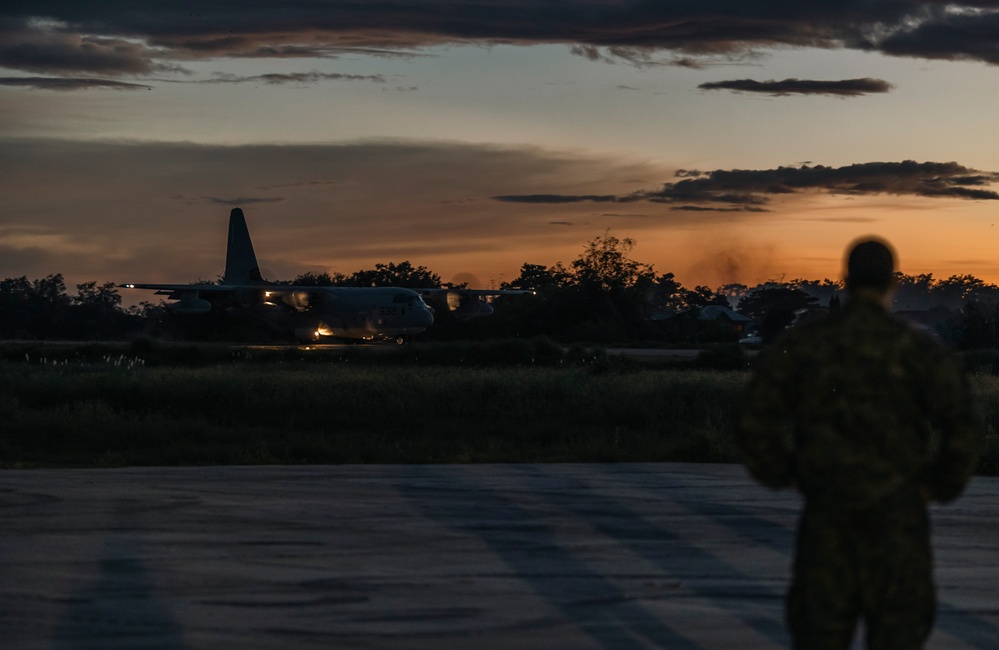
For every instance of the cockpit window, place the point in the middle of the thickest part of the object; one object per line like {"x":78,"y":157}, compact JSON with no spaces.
{"x":401,"y":297}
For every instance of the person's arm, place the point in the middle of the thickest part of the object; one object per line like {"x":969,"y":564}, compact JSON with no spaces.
{"x":763,"y":426}
{"x":953,"y":415}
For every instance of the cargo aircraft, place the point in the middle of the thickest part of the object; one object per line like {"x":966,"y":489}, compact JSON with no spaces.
{"x":316,"y":313}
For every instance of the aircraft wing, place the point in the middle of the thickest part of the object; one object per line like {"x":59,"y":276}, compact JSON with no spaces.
{"x":192,"y":298}
{"x":164,"y":289}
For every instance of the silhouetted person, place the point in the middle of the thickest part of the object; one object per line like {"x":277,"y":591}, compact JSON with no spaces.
{"x":869,"y":419}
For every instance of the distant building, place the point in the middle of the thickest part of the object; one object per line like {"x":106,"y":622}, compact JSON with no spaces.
{"x":731,"y":320}
{"x":710,"y":324}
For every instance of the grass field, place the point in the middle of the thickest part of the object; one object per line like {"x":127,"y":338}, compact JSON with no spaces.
{"x":116,"y":409}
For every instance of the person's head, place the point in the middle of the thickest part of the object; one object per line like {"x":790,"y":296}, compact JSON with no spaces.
{"x":870,"y":266}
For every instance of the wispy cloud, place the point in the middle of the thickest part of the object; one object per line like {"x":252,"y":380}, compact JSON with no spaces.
{"x":844,"y":88}
{"x":69,"y":83}
{"x":558,"y":198}
{"x":292,"y":78}
{"x":706,"y":208}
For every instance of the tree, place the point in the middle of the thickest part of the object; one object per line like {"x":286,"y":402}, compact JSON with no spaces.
{"x":41,"y":309}
{"x":51,"y":291}
{"x":540,"y":278}
{"x":403,"y":274}
{"x":958,"y":290}
{"x":977,"y":327}
{"x":611,"y":294}
{"x":822,"y":290}
{"x":15,"y":301}
{"x":47,"y":307}
{"x":95,"y":312}
{"x":101,"y":298}
{"x":604,"y":263}
{"x":310,"y":279}
{"x":912,"y":292}
{"x":773,"y":308}
{"x":547,"y":312}
{"x":604,"y":296}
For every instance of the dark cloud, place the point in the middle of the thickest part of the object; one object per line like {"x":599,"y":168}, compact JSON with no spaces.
{"x":69,"y":83}
{"x":949,"y":34}
{"x":704,"y":208}
{"x":844,"y":88}
{"x":125,"y":37}
{"x":298,"y":78}
{"x":743,"y":190}
{"x":48,"y":48}
{"x":243,"y":200}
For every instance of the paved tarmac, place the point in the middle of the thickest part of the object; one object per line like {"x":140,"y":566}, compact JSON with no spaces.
{"x":473,"y":556}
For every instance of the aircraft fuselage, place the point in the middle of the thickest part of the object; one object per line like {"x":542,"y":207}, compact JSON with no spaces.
{"x":355,"y":313}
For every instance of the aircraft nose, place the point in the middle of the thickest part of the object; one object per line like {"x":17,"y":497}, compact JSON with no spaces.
{"x":425,"y":318}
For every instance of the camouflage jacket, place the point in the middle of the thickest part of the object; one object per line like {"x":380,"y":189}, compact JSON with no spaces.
{"x":857,"y":407}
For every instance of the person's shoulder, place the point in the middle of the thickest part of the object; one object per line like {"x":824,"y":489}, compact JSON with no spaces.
{"x":799,"y":341}
{"x":923,"y":351}
{"x":808,"y":333}
{"x":915,"y":336}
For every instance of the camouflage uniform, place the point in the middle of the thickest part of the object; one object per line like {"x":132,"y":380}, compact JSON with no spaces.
{"x":868,"y":418}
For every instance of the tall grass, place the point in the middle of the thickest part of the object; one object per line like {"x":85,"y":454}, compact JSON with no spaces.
{"x":105,"y":414}
{"x":93,"y":414}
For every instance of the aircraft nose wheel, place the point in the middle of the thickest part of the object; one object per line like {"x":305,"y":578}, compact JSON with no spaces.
{"x":401,"y":340}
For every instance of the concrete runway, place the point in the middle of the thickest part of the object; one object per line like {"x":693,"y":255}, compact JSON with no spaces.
{"x":473,"y":556}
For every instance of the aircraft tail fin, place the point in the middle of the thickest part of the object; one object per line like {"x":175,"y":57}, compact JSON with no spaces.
{"x":240,"y":262}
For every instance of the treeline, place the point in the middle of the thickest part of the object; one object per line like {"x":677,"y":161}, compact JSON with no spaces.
{"x":42,"y":309}
{"x":603,"y":297}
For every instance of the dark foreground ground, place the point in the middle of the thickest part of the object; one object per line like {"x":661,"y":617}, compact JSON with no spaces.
{"x":463,"y":556}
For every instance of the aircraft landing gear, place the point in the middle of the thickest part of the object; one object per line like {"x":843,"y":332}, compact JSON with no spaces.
{"x":401,"y":340}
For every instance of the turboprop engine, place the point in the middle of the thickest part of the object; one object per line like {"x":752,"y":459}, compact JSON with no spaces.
{"x":250,"y":297}
{"x":465,"y":306}
{"x":191,"y":306}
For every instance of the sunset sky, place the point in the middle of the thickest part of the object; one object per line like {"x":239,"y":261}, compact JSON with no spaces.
{"x":734,"y":141}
